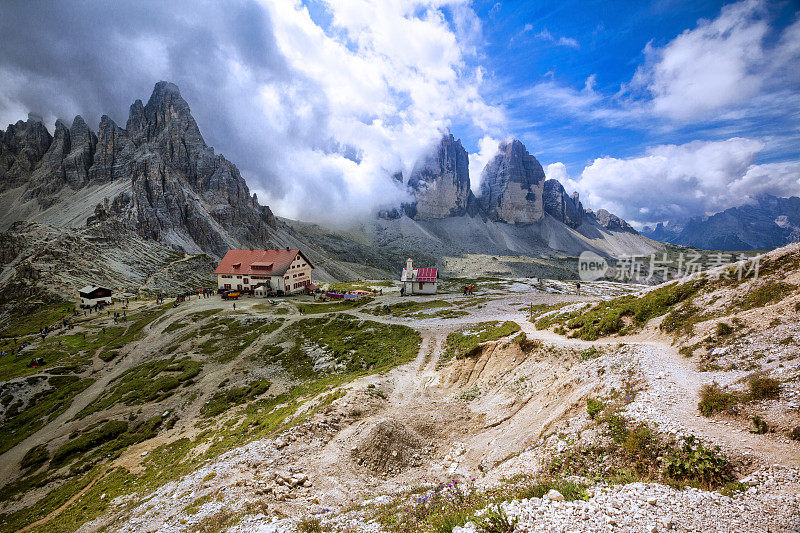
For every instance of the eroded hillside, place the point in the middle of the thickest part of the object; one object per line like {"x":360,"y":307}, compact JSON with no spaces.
{"x":416,"y":413}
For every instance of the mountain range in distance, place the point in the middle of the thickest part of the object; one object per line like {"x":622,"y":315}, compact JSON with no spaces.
{"x":767,"y":222}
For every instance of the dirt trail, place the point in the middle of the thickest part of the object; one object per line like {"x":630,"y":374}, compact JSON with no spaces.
{"x":674,"y":392}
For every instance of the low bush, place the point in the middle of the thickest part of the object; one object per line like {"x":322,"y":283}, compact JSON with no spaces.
{"x":759,"y":426}
{"x":762,"y":388}
{"x":723,"y":329}
{"x":593,"y":407}
{"x":495,"y":520}
{"x":713,"y":399}
{"x":691,"y":460}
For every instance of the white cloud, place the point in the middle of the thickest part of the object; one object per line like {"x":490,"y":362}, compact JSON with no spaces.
{"x":545,"y":35}
{"x":672,"y":182}
{"x":487,"y":149}
{"x":718,"y":64}
{"x":722,"y":69}
{"x":391,"y":75}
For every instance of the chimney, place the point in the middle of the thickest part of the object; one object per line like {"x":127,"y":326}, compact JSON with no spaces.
{"x":409,"y":266}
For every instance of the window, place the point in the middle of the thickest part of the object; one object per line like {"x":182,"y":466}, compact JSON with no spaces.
{"x":246,"y":280}
{"x":420,"y":285}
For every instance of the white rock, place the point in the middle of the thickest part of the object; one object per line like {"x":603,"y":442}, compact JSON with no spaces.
{"x":554,"y":495}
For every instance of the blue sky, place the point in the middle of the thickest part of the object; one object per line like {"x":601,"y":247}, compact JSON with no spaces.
{"x":529,"y":43}
{"x":656,"y":111}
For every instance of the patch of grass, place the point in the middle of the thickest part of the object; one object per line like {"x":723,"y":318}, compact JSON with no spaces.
{"x":535,"y":311}
{"x":149,"y":382}
{"x":765,"y":294}
{"x":759,"y":425}
{"x":453,"y":504}
{"x":194,"y":507}
{"x":607,"y":318}
{"x":723,"y":329}
{"x":226,"y":338}
{"x":593,"y":407}
{"x":375,"y":392}
{"x":87,"y":441}
{"x":636,"y":452}
{"x":733,"y":488}
{"x":333,"y":306}
{"x":50,"y":502}
{"x":460,"y":343}
{"x":30,"y":317}
{"x":190,"y":319}
{"x":310,"y":525}
{"x":470,"y":394}
{"x":224,"y":400}
{"x":42,"y":408}
{"x":353,"y":345}
{"x":35,"y":457}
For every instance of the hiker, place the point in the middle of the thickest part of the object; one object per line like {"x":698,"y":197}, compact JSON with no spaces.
{"x":381,"y":292}
{"x":402,"y":291}
{"x":234,"y":306}
{"x":578,"y":287}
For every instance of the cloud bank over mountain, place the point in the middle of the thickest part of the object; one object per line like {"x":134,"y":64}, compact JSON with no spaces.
{"x":321,"y":102}
{"x":317,"y":109}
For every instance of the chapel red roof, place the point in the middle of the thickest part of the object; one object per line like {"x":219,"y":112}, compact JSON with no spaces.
{"x":427,"y":274}
{"x":255,"y":262}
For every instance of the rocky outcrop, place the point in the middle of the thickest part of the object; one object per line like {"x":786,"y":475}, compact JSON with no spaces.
{"x":561,"y":206}
{"x":22,"y":147}
{"x":440,"y":183}
{"x":609,"y":221}
{"x":175,"y":189}
{"x":512,"y":186}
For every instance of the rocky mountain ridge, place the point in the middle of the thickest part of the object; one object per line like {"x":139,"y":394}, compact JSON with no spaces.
{"x":514,"y":190}
{"x":767,"y":223}
{"x":169,"y":185}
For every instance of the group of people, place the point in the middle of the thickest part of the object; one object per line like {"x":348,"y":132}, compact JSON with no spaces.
{"x":467,"y":289}
{"x":98,"y":307}
{"x":14,"y":349}
{"x":123,"y":316}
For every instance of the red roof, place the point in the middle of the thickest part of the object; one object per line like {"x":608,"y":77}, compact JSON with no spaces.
{"x":255,"y":262}
{"x":427,"y":274}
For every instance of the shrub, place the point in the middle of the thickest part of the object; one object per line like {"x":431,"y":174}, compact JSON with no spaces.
{"x":593,"y":407}
{"x":795,"y":434}
{"x":497,"y":521}
{"x":691,"y":460}
{"x":375,"y":392}
{"x":723,"y":329}
{"x":686,"y":351}
{"x":762,"y":388}
{"x":760,"y":427}
{"x":713,"y":399}
{"x":310,"y":525}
